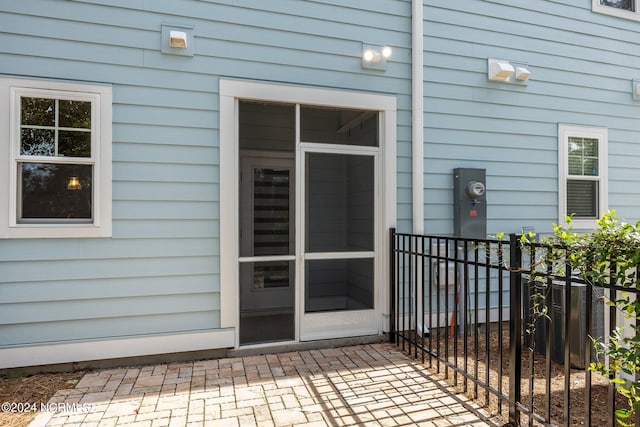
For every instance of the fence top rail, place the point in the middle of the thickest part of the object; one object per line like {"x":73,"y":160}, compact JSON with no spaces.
{"x":526,"y":248}
{"x":450,"y":238}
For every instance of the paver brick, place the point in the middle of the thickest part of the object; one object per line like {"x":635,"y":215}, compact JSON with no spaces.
{"x":365,"y":385}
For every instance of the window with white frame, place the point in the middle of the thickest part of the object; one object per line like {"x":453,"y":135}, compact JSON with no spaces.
{"x":582,"y":174}
{"x":56,"y":139}
{"x":622,"y":8}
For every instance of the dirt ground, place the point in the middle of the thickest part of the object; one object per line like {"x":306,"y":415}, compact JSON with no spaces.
{"x":543,"y":397}
{"x":20,"y":397}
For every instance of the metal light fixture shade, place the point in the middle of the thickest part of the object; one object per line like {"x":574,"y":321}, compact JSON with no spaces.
{"x":500,"y":70}
{"x":74,"y":183}
{"x":178,"y":39}
{"x":522,"y":73}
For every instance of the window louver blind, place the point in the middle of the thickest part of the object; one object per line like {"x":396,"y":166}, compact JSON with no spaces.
{"x":582,"y":198}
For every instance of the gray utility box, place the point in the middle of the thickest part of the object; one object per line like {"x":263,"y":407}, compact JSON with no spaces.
{"x":578,"y":346}
{"x":469,"y":203}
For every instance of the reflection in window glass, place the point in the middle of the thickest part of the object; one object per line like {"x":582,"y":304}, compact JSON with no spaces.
{"x":55,"y":191}
{"x":619,"y":4}
{"x":55,"y":128}
{"x":74,"y":144}
{"x":74,"y":114}
{"x":37,"y":142}
{"x":37,"y":111}
{"x":583,"y":156}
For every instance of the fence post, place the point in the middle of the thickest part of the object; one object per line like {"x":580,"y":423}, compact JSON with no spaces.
{"x":392,"y":285}
{"x":515,"y":328}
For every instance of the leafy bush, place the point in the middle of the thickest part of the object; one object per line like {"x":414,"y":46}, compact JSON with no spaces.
{"x":610,"y":255}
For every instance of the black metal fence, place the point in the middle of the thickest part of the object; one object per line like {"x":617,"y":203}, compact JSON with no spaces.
{"x":507,"y":323}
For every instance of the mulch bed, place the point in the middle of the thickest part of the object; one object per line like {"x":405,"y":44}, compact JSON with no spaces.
{"x":22,"y":396}
{"x":499,"y":360}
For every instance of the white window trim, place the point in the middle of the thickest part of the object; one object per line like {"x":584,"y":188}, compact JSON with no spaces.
{"x":564,"y":133}
{"x":620,"y":13}
{"x":101,"y":95}
{"x":233,"y":90}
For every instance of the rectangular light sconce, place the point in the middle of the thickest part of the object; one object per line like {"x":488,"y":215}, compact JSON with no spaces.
{"x":635,"y":89}
{"x":177,"y":40}
{"x":501,"y":70}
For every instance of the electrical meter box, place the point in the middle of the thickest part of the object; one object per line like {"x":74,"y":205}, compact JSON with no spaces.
{"x":469,"y":203}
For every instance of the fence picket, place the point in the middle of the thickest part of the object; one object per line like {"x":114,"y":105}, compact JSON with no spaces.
{"x":426,"y":269}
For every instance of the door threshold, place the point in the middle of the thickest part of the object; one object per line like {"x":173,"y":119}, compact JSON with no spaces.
{"x":289,"y":346}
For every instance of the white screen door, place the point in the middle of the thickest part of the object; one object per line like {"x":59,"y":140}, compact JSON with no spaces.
{"x":339,"y":242}
{"x":267,"y":273}
{"x":309,"y":222}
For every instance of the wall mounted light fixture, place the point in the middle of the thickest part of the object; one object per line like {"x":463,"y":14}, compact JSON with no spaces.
{"x":178,"y":39}
{"x":500,"y":70}
{"x":375,"y":57}
{"x":506,"y":71}
{"x":522,"y":73}
{"x":635,"y":89}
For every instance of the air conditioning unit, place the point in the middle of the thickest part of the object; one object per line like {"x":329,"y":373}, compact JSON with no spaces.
{"x":578,"y":307}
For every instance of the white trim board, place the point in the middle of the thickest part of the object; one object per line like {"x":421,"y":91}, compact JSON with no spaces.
{"x":231,"y":91}
{"x":49,"y":354}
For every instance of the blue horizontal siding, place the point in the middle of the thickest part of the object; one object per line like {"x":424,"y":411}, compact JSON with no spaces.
{"x":57,"y":311}
{"x":160,"y":271}
{"x":582,"y":64}
{"x":153,"y":153}
{"x":157,"y":172}
{"x":75,"y":249}
{"x":136,"y":132}
{"x":106,"y":328}
{"x":169,"y":191}
{"x":149,"y":210}
{"x":111,"y":288}
{"x":24,"y":271}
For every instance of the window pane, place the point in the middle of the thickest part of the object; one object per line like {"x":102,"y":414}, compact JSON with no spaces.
{"x":37,"y":142}
{"x":575,"y":165}
{"x":583,"y":156}
{"x":267,"y":299}
{"x":590,"y":147}
{"x":266,"y":133}
{"x":590,"y":166}
{"x":339,"y":202}
{"x":52,"y":191}
{"x":339,"y":126}
{"x":271,"y":275}
{"x":619,"y":4}
{"x":582,"y":199}
{"x":267,"y":126}
{"x":339,"y":284}
{"x":74,"y":114}
{"x":38,"y":111}
{"x":74,"y":144}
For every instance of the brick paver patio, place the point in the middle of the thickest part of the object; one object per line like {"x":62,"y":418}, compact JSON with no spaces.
{"x":372,"y":385}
